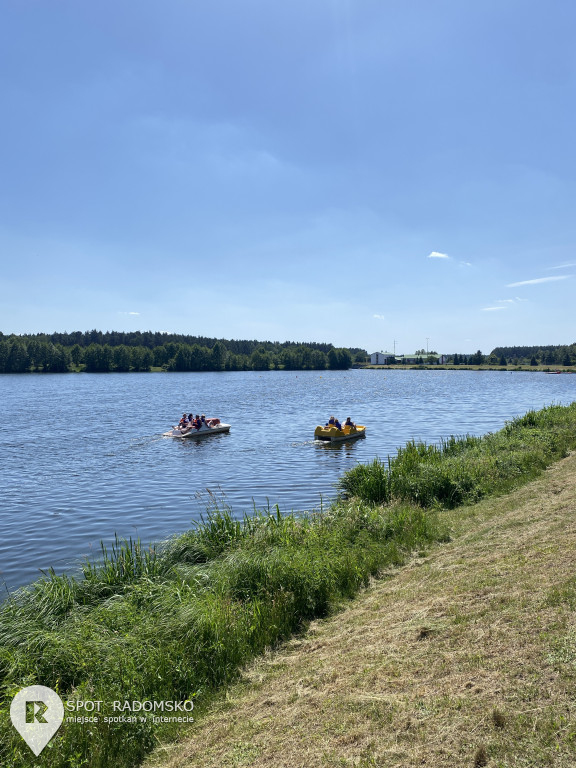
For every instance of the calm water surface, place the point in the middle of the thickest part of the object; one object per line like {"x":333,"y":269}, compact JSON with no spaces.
{"x":82,"y":456}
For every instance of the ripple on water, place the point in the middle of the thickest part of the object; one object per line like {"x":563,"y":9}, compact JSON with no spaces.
{"x":89,"y":471}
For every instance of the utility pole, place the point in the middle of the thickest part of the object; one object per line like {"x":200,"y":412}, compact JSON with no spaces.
{"x":427,"y":340}
{"x":394,"y":347}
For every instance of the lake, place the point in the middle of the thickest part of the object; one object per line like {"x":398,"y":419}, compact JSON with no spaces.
{"x":83,"y":455}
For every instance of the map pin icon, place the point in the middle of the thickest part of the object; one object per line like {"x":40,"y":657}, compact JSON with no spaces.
{"x":37,"y":713}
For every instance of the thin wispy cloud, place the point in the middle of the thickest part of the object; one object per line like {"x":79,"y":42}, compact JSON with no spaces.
{"x":128,"y":313}
{"x":565,"y":266}
{"x":438,"y":255}
{"x":503,"y":304}
{"x":538,"y":280}
{"x":379,"y":317}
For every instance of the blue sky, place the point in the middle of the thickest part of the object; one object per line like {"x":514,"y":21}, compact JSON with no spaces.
{"x":352,"y":171}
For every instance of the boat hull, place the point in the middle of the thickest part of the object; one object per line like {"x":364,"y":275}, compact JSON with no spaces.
{"x":194,"y":434}
{"x":333,"y":435}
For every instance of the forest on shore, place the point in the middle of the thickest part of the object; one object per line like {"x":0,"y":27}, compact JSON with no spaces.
{"x":115,"y":351}
{"x":560,"y":354}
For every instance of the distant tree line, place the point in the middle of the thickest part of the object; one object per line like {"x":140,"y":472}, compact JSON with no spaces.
{"x":95,"y":351}
{"x":563,"y":354}
{"x":548,"y":355}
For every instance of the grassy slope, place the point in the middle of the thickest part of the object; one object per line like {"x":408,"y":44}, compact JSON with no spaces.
{"x":464,"y":657}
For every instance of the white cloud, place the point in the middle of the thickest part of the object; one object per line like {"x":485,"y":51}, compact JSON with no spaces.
{"x":564,"y":266}
{"x":538,"y":280}
{"x":437,"y":255}
{"x":506,"y":304}
{"x":379,"y":317}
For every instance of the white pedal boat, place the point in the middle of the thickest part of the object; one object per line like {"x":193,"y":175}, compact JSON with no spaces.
{"x":204,"y":431}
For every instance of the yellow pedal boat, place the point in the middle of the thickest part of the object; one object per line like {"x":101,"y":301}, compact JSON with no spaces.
{"x":333,"y":434}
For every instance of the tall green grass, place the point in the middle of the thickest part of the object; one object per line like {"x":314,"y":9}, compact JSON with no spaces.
{"x":177,"y":621}
{"x":462,"y":470}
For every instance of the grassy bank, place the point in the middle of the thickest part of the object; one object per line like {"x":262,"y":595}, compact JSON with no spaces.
{"x":465,"y":656}
{"x":178,"y":621}
{"x":466,"y":469}
{"x":175,"y":623}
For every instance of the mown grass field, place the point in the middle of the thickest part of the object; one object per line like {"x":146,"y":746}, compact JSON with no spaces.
{"x":182,"y":620}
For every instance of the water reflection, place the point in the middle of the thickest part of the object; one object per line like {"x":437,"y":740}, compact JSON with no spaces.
{"x":347,"y":446}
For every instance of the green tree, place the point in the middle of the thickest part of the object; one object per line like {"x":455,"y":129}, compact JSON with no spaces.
{"x":319,"y":360}
{"x":141,"y":358}
{"x":260,"y":360}
{"x":147,"y":359}
{"x":339,"y":359}
{"x":58,"y":359}
{"x":4,"y":354}
{"x":200,"y":358}
{"x":477,"y":358}
{"x":160,"y":356}
{"x":121,"y":358}
{"x":18,"y":359}
{"x":76,"y":354}
{"x":98,"y":358}
{"x":182,"y":358}
{"x":219,"y":354}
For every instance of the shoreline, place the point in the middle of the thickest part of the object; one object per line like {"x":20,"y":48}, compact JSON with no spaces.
{"x":463,"y":656}
{"x":448,"y":367}
{"x":181,"y":620}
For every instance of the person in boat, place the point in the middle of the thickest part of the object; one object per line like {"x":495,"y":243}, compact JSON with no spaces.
{"x":203,"y":421}
{"x":349,"y":422}
{"x":197,"y":422}
{"x":330,"y":421}
{"x":337,"y":424}
{"x":183,"y":423}
{"x":187,"y":426}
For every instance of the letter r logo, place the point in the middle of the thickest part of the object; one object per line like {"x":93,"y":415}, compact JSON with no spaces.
{"x":35,"y":711}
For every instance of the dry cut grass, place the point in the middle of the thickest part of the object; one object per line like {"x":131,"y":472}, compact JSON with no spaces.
{"x":464,"y":657}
